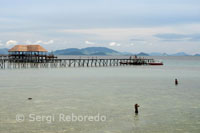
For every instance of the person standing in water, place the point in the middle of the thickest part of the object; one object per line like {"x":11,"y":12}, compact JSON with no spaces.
{"x":136,"y":108}
{"x":176,"y":81}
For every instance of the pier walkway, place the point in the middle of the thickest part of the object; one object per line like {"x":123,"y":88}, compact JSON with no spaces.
{"x":63,"y":63}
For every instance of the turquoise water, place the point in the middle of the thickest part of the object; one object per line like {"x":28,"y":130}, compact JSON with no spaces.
{"x":108,"y":91}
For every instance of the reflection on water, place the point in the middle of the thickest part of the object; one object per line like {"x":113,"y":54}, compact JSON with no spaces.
{"x":136,"y":120}
{"x":109,"y":91}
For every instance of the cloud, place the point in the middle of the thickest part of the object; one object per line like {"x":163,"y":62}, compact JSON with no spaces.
{"x":28,"y":42}
{"x":48,"y":42}
{"x":178,"y":37}
{"x":134,"y":34}
{"x":137,"y":40}
{"x":40,"y":42}
{"x":195,"y":37}
{"x":43,"y":42}
{"x":130,"y":13}
{"x":11,"y":42}
{"x":114,"y":44}
{"x":171,"y":36}
{"x":1,"y":44}
{"x":118,"y":34}
{"x":90,"y":43}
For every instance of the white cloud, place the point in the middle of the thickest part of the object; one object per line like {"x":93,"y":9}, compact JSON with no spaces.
{"x":120,"y":34}
{"x":1,"y":44}
{"x":11,"y":42}
{"x":49,"y":42}
{"x":118,"y":44}
{"x":28,"y":42}
{"x":114,"y":44}
{"x":90,"y":43}
{"x":40,"y":42}
{"x":142,"y":33}
{"x":43,"y":42}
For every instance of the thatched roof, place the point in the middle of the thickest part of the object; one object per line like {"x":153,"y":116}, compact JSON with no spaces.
{"x":27,"y":48}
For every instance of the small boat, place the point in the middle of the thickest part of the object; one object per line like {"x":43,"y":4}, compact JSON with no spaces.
{"x":140,"y":61}
{"x":155,"y":63}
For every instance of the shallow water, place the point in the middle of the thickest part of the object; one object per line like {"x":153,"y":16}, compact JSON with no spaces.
{"x":108,"y":91}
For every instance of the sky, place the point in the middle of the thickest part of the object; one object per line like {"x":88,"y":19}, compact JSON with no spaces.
{"x":167,"y":26}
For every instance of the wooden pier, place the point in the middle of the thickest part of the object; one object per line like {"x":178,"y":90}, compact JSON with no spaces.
{"x":35,"y":56}
{"x":6,"y":63}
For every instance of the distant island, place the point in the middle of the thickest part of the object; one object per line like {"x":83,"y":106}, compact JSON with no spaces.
{"x":103,"y":51}
{"x":3,"y":51}
{"x":87,"y":51}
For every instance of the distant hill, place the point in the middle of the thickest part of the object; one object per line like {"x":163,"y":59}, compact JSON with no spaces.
{"x":99,"y":53}
{"x":87,"y":51}
{"x":108,"y":51}
{"x":103,"y":51}
{"x":142,"y":54}
{"x":4,"y":51}
{"x":70,"y":51}
{"x":127,"y":53}
{"x":158,"y":54}
{"x":180,"y":54}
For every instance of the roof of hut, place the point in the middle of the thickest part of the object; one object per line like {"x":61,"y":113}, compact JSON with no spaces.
{"x":27,"y":48}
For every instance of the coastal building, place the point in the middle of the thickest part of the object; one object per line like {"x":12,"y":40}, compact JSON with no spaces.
{"x":29,"y":53}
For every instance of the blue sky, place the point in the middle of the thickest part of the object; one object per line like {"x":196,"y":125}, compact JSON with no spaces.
{"x":126,"y":25}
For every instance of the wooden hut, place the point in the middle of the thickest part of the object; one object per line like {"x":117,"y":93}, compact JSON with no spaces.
{"x":28,"y":53}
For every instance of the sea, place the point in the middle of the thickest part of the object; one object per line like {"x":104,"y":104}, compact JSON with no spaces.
{"x":102,"y":99}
